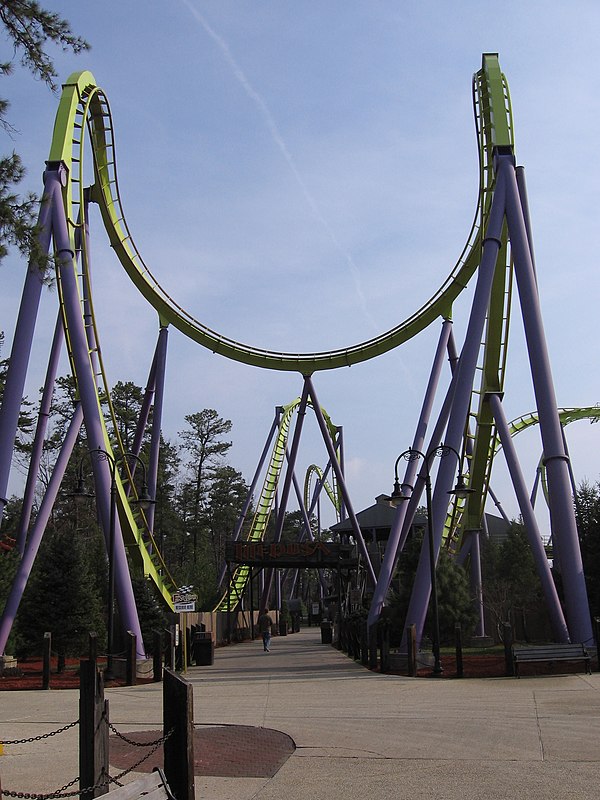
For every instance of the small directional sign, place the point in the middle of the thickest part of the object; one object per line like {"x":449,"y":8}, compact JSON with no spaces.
{"x":183,"y":607}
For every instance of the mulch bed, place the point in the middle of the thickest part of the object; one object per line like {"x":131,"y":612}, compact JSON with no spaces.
{"x":29,"y":676}
{"x":474,"y":666}
{"x":480,"y":666}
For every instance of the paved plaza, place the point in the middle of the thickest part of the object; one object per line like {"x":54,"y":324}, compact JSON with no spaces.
{"x":353,"y":732}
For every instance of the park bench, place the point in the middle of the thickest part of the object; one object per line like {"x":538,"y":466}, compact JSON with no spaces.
{"x":550,"y":653}
{"x":153,"y":786}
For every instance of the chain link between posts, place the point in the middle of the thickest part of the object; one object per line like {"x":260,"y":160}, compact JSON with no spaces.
{"x":155,"y":745}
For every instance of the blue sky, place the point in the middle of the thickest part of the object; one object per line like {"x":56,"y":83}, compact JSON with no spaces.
{"x":303,"y":175}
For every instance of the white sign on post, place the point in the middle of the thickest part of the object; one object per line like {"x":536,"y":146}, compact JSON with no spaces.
{"x":181,"y":608}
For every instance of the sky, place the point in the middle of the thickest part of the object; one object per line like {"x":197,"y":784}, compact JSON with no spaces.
{"x":303,"y":175}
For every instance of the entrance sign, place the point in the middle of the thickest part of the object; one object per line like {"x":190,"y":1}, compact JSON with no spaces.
{"x":291,"y":554}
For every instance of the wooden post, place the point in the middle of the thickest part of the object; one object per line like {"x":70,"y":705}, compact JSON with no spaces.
{"x":93,"y":647}
{"x":228,"y":603}
{"x":459,"y":652}
{"x":597,"y":637}
{"x":157,"y":657}
{"x":507,"y":637}
{"x":373,"y":647}
{"x":184,"y":641}
{"x":251,"y":607}
{"x":411,"y":645}
{"x":93,"y":730}
{"x":178,"y":715}
{"x":385,"y":644}
{"x":169,"y":648}
{"x":47,"y":653}
{"x":130,"y":658}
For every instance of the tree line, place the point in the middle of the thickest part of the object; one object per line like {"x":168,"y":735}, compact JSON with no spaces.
{"x":199,"y":499}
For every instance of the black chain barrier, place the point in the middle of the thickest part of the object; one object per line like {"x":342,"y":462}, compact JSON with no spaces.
{"x":41,"y":736}
{"x":89,"y":789}
{"x":136,"y":744}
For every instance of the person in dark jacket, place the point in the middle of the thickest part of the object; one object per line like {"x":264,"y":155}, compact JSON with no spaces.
{"x":265,"y":623}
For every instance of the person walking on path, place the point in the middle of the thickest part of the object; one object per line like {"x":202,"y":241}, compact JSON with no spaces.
{"x":265,"y":623}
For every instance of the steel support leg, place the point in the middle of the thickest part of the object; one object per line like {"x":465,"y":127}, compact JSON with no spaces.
{"x":21,"y":347}
{"x":285,"y":492}
{"x":463,"y":379}
{"x":92,"y":417}
{"x":390,"y":555}
{"x":159,"y":393}
{"x":562,"y":515}
{"x":341,"y":482}
{"x":35,"y":537}
{"x":534,"y":536}
{"x":39,"y":436}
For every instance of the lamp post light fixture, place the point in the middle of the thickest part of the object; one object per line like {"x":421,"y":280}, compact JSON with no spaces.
{"x":460,"y":490}
{"x":143,"y":501}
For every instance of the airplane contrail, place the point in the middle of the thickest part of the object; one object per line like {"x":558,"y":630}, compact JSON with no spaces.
{"x":280,"y":142}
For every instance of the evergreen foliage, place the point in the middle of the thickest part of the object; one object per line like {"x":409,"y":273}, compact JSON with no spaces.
{"x":151,"y":615}
{"x":60,"y":597}
{"x":587,"y":507}
{"x":511,"y":584}
{"x":455,"y":602}
{"x":29,"y":28}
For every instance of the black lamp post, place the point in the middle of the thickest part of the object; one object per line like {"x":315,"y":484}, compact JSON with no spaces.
{"x":144,"y":500}
{"x":459,"y":490}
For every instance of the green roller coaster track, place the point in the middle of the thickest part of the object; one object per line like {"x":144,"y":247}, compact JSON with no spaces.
{"x":264,"y":506}
{"x":82,"y":100}
{"x":330,"y":490}
{"x":566,"y":416}
{"x":84,"y":107}
{"x":516,"y":426}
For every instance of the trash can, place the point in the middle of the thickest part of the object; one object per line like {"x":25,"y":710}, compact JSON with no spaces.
{"x":203,"y":650}
{"x":326,"y":632}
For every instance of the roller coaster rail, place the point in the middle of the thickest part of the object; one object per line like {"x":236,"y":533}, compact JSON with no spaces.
{"x":498,"y":255}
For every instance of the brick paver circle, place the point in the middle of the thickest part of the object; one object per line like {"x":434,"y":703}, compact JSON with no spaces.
{"x":227,"y":751}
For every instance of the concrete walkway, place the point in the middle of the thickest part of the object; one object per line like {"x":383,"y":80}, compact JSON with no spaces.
{"x":356,"y":732}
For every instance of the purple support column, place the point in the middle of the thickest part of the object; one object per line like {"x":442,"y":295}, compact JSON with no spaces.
{"x":35,"y":538}
{"x":93,"y":423}
{"x":534,"y":488}
{"x":341,"y":482}
{"x":559,"y":626}
{"x":476,"y":583}
{"x":145,"y":407}
{"x":250,"y":494}
{"x":562,"y":515}
{"x":285,"y":492}
{"x":522,"y":187}
{"x":340,"y":449}
{"x":88,"y":313}
{"x":21,"y":347}
{"x":391,"y":549}
{"x":475,"y":551}
{"x":498,"y":505}
{"x":159,"y":394}
{"x":40,"y":434}
{"x":419,"y":483}
{"x":305,"y":518}
{"x":463,"y":378}
{"x":300,"y":500}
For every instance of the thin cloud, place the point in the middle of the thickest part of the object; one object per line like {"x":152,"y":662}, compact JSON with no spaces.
{"x":280,"y":142}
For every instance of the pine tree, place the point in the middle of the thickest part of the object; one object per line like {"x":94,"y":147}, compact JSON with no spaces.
{"x":151,"y":615}
{"x":588,"y":523}
{"x":29,"y":28}
{"x":60,"y":597}
{"x":203,"y":441}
